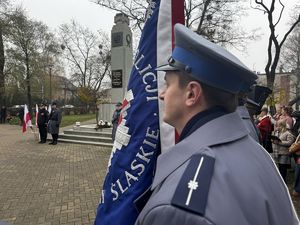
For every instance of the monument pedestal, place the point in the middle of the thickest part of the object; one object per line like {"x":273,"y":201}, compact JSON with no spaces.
{"x":121,"y":57}
{"x":121,"y":65}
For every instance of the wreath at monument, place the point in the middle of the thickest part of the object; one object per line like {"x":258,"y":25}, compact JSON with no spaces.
{"x":102,"y":124}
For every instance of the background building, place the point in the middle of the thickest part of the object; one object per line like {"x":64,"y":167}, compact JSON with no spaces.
{"x":286,"y":86}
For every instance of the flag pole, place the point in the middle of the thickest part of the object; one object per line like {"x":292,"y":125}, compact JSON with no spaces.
{"x":34,"y":131}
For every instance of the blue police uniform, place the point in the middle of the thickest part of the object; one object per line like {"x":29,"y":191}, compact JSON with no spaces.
{"x":249,"y":124}
{"x":54,"y":123}
{"x":244,"y":185}
{"x":217,"y":174}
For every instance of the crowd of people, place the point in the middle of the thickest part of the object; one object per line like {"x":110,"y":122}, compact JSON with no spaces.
{"x":279,"y":134}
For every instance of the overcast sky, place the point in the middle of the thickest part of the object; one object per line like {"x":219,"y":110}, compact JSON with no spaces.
{"x":55,"y":12}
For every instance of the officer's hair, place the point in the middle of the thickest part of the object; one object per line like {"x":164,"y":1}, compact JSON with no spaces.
{"x":212,"y":95}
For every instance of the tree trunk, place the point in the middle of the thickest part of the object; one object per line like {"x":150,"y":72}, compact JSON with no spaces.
{"x":270,"y":78}
{"x":202,"y":18}
{"x":297,"y":87}
{"x":2,"y":62}
{"x":297,"y":80}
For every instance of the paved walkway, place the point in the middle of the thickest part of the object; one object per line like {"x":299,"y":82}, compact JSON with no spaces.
{"x":46,"y":184}
{"x":51,"y":185}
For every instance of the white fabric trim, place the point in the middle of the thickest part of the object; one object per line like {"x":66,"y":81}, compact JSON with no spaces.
{"x":164,"y":50}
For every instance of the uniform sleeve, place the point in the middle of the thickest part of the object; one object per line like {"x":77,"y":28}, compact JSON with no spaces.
{"x":47,"y":116}
{"x":171,"y":215}
{"x":59,"y":117}
{"x":115,"y":117}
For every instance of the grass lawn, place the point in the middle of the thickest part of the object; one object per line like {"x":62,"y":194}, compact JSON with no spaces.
{"x":67,"y":120}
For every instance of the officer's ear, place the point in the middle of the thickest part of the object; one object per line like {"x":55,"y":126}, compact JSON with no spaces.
{"x":194,"y":93}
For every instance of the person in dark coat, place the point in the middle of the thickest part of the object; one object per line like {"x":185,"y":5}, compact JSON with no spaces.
{"x":42,"y":120}
{"x":3,"y":114}
{"x":115,"y":119}
{"x":20,"y":114}
{"x":54,"y":122}
{"x":246,"y":118}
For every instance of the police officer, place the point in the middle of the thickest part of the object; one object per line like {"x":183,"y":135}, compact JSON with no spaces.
{"x":246,"y":118}
{"x":115,"y":119}
{"x":216,"y":174}
{"x":42,"y":120}
{"x":3,"y":114}
{"x":54,"y":122}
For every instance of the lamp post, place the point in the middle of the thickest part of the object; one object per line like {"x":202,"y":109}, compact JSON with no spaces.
{"x":41,"y":83}
{"x":50,"y":85}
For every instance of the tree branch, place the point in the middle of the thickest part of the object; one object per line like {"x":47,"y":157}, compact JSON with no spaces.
{"x":290,"y":30}
{"x":281,"y":11}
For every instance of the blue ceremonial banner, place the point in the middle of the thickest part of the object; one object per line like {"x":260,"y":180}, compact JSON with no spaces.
{"x":137,"y":143}
{"x":136,"y":146}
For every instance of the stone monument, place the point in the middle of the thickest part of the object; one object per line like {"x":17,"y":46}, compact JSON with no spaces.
{"x":121,"y":57}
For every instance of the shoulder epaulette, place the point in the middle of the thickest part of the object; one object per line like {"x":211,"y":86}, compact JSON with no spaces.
{"x":192,"y":190}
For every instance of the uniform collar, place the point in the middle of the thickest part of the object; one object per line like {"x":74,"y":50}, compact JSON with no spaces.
{"x":243,"y":112}
{"x":200,"y":119}
{"x":221,"y":130}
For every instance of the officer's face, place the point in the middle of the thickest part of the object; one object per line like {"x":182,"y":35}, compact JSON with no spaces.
{"x":173,"y":97}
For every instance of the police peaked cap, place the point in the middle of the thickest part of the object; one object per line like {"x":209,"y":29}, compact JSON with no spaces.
{"x":259,"y":94}
{"x":208,"y":62}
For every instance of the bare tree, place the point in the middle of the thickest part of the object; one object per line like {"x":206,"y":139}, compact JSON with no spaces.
{"x":134,"y":9}
{"x":3,"y":9}
{"x":290,"y":59}
{"x":24,"y":38}
{"x":215,"y":19}
{"x":274,"y":45}
{"x":89,"y":57}
{"x":45,"y":56}
{"x":49,"y":59}
{"x":218,"y":21}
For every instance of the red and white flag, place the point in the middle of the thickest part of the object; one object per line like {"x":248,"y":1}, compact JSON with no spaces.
{"x":172,"y":12}
{"x":26,"y":119}
{"x":36,"y":115}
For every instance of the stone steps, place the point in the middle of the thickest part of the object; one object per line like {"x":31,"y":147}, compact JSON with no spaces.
{"x":91,"y":133}
{"x":86,"y":134}
{"x":109,"y":145}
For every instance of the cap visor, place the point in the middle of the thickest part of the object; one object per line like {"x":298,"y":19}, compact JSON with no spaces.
{"x":166,"y":67}
{"x":250,"y":101}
